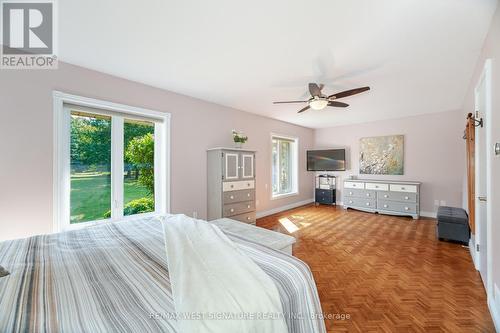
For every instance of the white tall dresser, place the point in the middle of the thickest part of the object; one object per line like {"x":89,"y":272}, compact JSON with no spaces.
{"x":231,"y":184}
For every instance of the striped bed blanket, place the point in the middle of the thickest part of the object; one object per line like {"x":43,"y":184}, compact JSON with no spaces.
{"x":113,"y":277}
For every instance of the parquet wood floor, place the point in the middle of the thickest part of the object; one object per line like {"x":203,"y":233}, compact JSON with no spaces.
{"x":389,"y":274}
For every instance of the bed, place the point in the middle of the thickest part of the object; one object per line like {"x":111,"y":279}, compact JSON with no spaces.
{"x":113,"y":277}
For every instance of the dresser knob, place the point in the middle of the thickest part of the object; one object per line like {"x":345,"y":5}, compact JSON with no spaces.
{"x":406,"y":208}
{"x":385,"y":206}
{"x":406,"y":198}
{"x":403,"y":188}
{"x":232,"y":210}
{"x":386,"y":196}
{"x":248,"y":206}
{"x":231,"y":197}
{"x":248,"y":184}
{"x":350,"y":201}
{"x":248,"y":218}
{"x":248,"y":195}
{"x":367,"y":194}
{"x":376,"y":186}
{"x":232,"y":186}
{"x":350,"y":193}
{"x":368,"y":204}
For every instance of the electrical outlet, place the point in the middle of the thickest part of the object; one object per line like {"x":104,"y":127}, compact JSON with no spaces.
{"x":195,"y":215}
{"x":443,"y":203}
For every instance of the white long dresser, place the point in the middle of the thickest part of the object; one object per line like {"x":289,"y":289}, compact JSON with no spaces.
{"x":383,"y":196}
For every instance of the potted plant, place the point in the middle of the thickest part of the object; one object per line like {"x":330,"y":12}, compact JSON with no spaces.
{"x":239,"y":138}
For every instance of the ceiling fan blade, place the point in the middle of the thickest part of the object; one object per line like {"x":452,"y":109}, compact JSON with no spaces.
{"x":287,"y":102}
{"x":348,"y":93}
{"x":304,"y":109}
{"x":314,"y":89}
{"x":338,"y":104}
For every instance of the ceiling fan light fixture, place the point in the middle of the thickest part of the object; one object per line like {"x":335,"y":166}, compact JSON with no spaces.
{"x":318,"y":103}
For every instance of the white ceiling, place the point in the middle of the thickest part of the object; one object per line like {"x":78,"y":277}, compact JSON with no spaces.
{"x":418,"y":56}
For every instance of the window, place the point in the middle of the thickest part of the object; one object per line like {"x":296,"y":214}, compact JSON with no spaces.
{"x":111,"y":161}
{"x":90,"y":167}
{"x":284,"y":166}
{"x":138,"y":165}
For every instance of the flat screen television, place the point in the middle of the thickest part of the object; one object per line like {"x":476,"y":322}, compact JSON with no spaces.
{"x":326,"y":160}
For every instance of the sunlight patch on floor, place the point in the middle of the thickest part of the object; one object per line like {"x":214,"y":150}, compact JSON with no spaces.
{"x":288,"y":225}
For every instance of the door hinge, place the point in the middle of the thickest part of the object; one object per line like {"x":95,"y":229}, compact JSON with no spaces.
{"x":477,"y":247}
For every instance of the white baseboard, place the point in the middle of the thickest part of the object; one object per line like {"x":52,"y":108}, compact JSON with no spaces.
{"x":305,"y":202}
{"x":283,"y":208}
{"x":494,"y":305}
{"x":428,"y":214}
{"x":424,"y":214}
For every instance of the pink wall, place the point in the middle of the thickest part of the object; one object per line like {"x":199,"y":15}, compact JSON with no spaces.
{"x":491,"y":50}
{"x":26,"y":133}
{"x":434,"y":153}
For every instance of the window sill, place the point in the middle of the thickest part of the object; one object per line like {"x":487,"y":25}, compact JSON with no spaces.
{"x":81,"y":225}
{"x":284,"y":195}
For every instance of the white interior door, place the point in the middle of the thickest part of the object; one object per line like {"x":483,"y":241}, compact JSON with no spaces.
{"x":481,"y":183}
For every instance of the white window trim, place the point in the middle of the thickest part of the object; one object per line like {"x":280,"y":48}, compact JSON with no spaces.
{"x":61,"y":163}
{"x":295,"y":167}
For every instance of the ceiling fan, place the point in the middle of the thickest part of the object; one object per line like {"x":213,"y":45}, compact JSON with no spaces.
{"x":318,"y":101}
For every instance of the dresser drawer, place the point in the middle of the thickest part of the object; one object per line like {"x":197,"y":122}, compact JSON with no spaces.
{"x":328,"y":194}
{"x":238,"y":208}
{"x":398,"y":196}
{"x":354,"y":185}
{"x":400,"y":207}
{"x":352,"y":192}
{"x":236,"y":186}
{"x":247,"y":217}
{"x":324,"y":196}
{"x":360,"y":202}
{"x":377,"y":186}
{"x":355,"y":193}
{"x":403,"y":188}
{"x":238,"y":196}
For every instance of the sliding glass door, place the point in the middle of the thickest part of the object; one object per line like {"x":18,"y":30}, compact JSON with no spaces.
{"x":90,"y":167}
{"x":109,"y":164}
{"x":139,"y":171}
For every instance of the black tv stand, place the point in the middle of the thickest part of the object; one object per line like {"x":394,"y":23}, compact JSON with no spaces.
{"x":325,"y":190}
